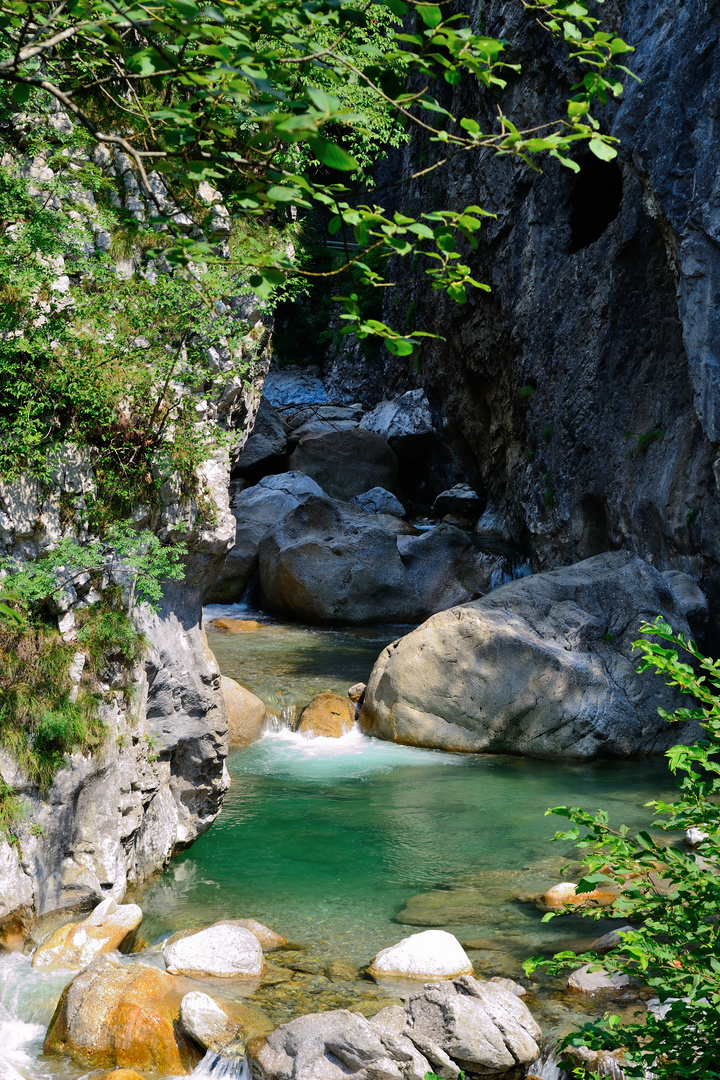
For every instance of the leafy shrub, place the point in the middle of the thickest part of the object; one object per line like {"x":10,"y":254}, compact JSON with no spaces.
{"x":670,"y":894}
{"x":108,"y":634}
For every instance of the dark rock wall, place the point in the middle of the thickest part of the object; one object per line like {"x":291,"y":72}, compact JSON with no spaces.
{"x":605,"y":300}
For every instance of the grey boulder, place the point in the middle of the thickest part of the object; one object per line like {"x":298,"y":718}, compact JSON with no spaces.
{"x":326,"y":562}
{"x":461,"y":500}
{"x":542,"y":666}
{"x":404,"y":421}
{"x":445,"y":1028}
{"x":346,"y":463}
{"x":378,"y":501}
{"x":257,"y":509}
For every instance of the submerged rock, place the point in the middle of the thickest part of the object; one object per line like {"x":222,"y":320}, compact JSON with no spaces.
{"x":329,"y":715}
{"x":225,"y":950}
{"x":207,"y":1022}
{"x":268,"y":939}
{"x":543,"y":666}
{"x":122,"y":1015}
{"x":247,"y":714}
{"x":432,"y":954}
{"x":565,"y":894}
{"x":75,"y":945}
{"x":585,"y":981}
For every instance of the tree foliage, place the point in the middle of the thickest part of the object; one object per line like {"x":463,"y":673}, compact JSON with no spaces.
{"x":670,"y":894}
{"x":275,"y":101}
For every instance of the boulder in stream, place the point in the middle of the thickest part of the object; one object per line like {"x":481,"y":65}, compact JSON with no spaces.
{"x":207,"y":1022}
{"x":347,"y":463}
{"x":224,"y":950}
{"x":467,"y":1025}
{"x":247,"y":714}
{"x":379,"y":501}
{"x":268,"y":939}
{"x":257,"y":509}
{"x":432,"y":954}
{"x":122,"y":1015}
{"x":111,"y":926}
{"x":328,"y":715}
{"x":542,"y":666}
{"x":327,"y":562}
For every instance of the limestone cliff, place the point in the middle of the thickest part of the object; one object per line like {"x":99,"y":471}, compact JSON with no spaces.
{"x":583,"y":393}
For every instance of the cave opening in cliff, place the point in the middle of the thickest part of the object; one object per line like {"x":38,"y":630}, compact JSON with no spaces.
{"x":595,"y":200}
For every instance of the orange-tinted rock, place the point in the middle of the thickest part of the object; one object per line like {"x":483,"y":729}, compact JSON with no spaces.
{"x":565,"y":894}
{"x":123,"y":1074}
{"x":123,"y":1016}
{"x":234,"y":626}
{"x":110,"y":926}
{"x":328,"y":715}
{"x":247,"y":715}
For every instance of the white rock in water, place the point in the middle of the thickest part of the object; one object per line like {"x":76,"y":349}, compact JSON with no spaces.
{"x":695,"y":836}
{"x":223,"y":950}
{"x":206,"y":1022}
{"x":432,"y":954}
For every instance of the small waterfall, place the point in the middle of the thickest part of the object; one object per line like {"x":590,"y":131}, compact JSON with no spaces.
{"x":546,"y":1066}
{"x":216,"y":1067}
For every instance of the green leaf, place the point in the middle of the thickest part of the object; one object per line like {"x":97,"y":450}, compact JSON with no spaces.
{"x":601,"y":150}
{"x":331,"y":155}
{"x":430,"y":15}
{"x":470,"y":125}
{"x":396,"y":6}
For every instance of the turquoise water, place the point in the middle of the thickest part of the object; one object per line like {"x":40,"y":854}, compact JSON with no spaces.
{"x":328,"y":841}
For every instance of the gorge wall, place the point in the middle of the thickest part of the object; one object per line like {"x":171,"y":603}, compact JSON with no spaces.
{"x":583,"y":393}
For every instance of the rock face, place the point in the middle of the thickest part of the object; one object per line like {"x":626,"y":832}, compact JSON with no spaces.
{"x":550,"y":408}
{"x":225,"y":950}
{"x":347,"y":463}
{"x":257,"y":510}
{"x":122,"y":1016}
{"x":328,"y":715}
{"x":247,"y":714}
{"x":432,"y":954}
{"x":265,"y":448}
{"x":75,"y":945}
{"x":453,"y":1026}
{"x":542,"y":666}
{"x":405,"y":422}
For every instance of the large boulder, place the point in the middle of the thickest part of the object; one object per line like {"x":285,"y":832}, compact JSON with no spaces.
{"x":346,"y":463}
{"x":379,"y":501}
{"x":75,"y":945}
{"x":543,"y":666}
{"x":466,"y":1025}
{"x":405,"y":421}
{"x":224,"y":950}
{"x":247,"y":714}
{"x":266,"y":446}
{"x":432,"y":954}
{"x":328,"y":715}
{"x":257,"y":509}
{"x":325,"y":562}
{"x":115,"y":1015}
{"x":316,"y":419}
{"x":481,"y":1026}
{"x":444,"y":566}
{"x":460,"y":500}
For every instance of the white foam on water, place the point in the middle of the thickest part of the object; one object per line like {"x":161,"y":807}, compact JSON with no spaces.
{"x":27,"y":1001}
{"x":291,"y":754}
{"x":215,"y":1067}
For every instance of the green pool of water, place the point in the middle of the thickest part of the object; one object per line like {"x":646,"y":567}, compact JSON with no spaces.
{"x":327,"y":840}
